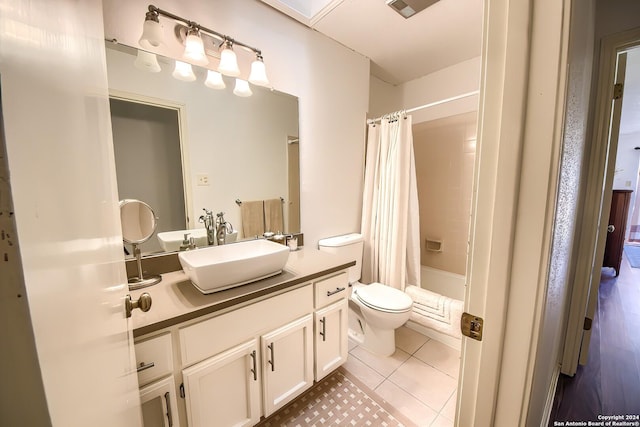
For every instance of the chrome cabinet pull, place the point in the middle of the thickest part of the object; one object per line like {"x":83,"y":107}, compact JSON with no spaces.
{"x":254,"y":370}
{"x":323,"y":332}
{"x":329,"y":293}
{"x":168,"y":402}
{"x":143,"y":367}
{"x":272,"y":360}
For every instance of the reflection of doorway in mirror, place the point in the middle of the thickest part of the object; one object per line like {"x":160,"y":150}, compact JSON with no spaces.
{"x":146,"y":140}
{"x":293,"y":173}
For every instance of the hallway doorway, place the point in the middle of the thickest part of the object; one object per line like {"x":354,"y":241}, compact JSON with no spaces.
{"x":609,"y":384}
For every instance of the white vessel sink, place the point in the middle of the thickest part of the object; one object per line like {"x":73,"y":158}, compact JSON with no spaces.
{"x":217,"y":268}
{"x":170,"y":241}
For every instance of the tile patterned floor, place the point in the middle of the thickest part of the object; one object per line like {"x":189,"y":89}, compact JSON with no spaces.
{"x":335,"y":401}
{"x":420,"y":379}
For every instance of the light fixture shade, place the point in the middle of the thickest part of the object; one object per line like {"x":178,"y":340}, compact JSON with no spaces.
{"x":151,"y":32}
{"x":194,"y":49}
{"x":214,"y":80}
{"x":184,"y":72}
{"x":228,"y":62}
{"x":147,"y":61}
{"x":258,"y":75}
{"x":242,"y":88}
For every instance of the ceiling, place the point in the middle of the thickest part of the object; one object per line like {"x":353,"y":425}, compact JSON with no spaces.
{"x":400,"y":50}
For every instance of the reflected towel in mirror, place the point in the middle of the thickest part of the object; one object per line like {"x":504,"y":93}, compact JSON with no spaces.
{"x":252,"y":213}
{"x":273,"y":215}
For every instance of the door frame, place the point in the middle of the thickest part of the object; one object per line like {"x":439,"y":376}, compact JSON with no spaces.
{"x":183,"y":136}
{"x":523,"y":83}
{"x":597,"y":197}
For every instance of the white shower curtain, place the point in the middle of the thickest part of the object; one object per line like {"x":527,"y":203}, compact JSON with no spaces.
{"x":390,"y":216}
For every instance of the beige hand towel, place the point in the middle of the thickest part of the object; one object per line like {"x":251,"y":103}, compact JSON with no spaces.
{"x":252,"y":218}
{"x":273,"y":216}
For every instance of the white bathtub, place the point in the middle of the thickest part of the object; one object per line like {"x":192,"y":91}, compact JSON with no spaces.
{"x":442,"y":282}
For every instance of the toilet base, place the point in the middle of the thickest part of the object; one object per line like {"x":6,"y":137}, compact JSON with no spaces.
{"x":356,"y":324}
{"x":381,"y":342}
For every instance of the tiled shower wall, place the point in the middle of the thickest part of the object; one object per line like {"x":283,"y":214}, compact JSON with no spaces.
{"x":445,"y":156}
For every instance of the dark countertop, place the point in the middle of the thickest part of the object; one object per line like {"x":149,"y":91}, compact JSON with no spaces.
{"x":176,"y":300}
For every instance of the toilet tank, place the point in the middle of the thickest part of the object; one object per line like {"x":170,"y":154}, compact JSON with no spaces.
{"x":348,"y":247}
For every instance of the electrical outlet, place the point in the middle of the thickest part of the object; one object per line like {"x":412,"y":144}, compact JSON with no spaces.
{"x":203,"y":179}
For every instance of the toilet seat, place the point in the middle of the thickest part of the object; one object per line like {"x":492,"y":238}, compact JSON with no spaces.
{"x":383,"y":298}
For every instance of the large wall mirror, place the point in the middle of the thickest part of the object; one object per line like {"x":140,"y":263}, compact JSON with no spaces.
{"x":182,"y":147}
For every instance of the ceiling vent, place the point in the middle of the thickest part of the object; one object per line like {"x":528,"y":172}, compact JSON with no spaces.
{"x":408,"y":8}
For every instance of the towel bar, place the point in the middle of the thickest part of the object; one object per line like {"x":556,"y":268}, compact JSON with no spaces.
{"x":239,"y":202}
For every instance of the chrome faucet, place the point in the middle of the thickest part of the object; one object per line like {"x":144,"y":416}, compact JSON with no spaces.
{"x":210,"y":225}
{"x":222,"y":228}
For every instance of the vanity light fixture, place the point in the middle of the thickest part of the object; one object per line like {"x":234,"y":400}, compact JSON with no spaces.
{"x":195,"y":52}
{"x":147,"y":61}
{"x":242,"y":88}
{"x":228,"y":60}
{"x":194,"y":48}
{"x":214,"y":80}
{"x":184,"y":72}
{"x":151,"y":30}
{"x":258,"y":75}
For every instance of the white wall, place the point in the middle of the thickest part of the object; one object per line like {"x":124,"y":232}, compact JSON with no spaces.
{"x":383,"y":98}
{"x":627,"y":158}
{"x":331,"y":82}
{"x":455,"y":80}
{"x":460,"y":78}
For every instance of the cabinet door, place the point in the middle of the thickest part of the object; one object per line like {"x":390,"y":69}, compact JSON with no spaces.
{"x":331,"y":339}
{"x":287,"y":363}
{"x":159,"y":405}
{"x":224,"y":390}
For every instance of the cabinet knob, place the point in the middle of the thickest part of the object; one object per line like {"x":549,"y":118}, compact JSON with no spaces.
{"x":143,"y":303}
{"x":611,"y":228}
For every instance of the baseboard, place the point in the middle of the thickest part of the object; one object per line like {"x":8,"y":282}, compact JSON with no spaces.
{"x":452,"y":342}
{"x":551,"y":393}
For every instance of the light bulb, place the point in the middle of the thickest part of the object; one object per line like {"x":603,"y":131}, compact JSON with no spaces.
{"x":228,"y":61}
{"x":242,"y":88}
{"x":151,"y":31}
{"x":194,"y":48}
{"x":258,"y":75}
{"x":214,"y":80}
{"x":184,"y":72}
{"x":147,"y":61}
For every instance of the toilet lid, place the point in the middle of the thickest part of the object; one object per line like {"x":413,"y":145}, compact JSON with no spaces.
{"x":384,"y":298}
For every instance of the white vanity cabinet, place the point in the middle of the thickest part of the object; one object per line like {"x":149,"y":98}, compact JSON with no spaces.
{"x":330,"y":317}
{"x":240,"y":363}
{"x":248,"y":362}
{"x":154,"y":360}
{"x":287,"y":363}
{"x":159,"y":404}
{"x":224,"y":390}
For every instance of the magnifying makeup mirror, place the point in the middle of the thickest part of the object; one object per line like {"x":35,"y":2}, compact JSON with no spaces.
{"x":139,"y":222}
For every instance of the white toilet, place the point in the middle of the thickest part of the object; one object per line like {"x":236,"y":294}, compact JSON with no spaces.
{"x":383,"y":308}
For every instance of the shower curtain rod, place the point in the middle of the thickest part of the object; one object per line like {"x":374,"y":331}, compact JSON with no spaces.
{"x":431,"y":104}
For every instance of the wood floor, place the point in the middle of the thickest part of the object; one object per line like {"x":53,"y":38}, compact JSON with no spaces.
{"x":610,"y":382}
